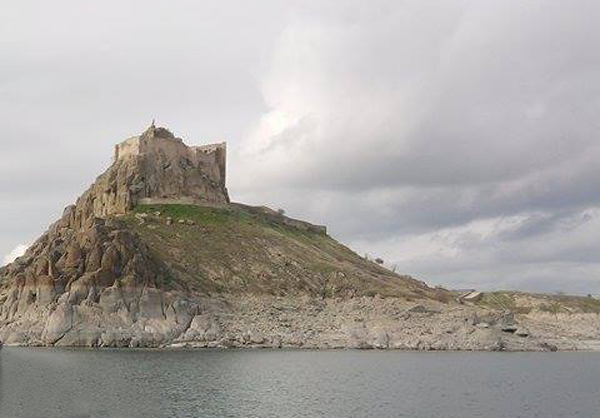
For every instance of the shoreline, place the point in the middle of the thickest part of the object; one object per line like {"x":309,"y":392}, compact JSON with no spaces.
{"x":281,"y":349}
{"x":296,"y":322}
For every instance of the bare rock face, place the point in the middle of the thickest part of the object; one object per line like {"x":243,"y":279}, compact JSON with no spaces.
{"x":89,"y":280}
{"x":69,"y":270}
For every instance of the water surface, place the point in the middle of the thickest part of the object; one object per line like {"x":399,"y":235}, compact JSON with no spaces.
{"x":48,"y":383}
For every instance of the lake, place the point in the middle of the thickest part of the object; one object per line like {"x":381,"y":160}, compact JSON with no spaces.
{"x":48,"y":383}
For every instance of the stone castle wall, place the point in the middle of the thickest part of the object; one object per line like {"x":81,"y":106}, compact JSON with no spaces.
{"x":213,"y":159}
{"x":127,"y":148}
{"x":156,"y":165}
{"x":210,"y":159}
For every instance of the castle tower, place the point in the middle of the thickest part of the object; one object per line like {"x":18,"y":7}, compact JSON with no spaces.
{"x":158,"y":167}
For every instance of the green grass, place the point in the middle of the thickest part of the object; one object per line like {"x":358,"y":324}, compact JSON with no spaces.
{"x":198,"y":214}
{"x":585,"y":304}
{"x":552,"y":307}
{"x":589,"y":305}
{"x":244,"y":249}
{"x":323,"y":268}
{"x":221,"y":217}
{"x":220,"y":242}
{"x":498,"y":300}
{"x":551,"y":303}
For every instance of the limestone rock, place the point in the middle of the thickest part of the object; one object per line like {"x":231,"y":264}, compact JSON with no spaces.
{"x":45,"y":290}
{"x":508,"y":322}
{"x":256,"y":337}
{"x":59,"y":322}
{"x":548,"y":347}
{"x":381,"y":340}
{"x":151,"y":305}
{"x":202,"y":328}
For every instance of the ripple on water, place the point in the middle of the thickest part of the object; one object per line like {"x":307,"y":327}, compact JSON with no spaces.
{"x":262,"y":383}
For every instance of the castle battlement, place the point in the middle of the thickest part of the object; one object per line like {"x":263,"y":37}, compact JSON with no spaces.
{"x":210,"y":158}
{"x":210,"y":148}
{"x":156,"y":166}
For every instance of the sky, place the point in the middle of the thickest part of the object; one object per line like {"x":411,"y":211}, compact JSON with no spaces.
{"x":455,"y":139}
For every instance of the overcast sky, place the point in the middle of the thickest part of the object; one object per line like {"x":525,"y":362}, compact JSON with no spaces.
{"x":455,"y":139}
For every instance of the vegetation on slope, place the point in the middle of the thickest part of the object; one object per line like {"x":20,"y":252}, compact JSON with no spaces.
{"x":238,"y":250}
{"x":521,"y":302}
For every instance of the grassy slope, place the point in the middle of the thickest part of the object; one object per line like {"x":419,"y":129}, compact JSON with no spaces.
{"x":522,"y":302}
{"x":232,"y":250}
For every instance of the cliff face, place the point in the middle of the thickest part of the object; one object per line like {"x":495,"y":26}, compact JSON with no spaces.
{"x":73,"y":275}
{"x":90,"y":262}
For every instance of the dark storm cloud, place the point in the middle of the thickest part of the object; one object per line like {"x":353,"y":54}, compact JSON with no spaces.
{"x":457,"y":139}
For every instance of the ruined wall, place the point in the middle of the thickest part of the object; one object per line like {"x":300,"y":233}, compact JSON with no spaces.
{"x":210,"y":159}
{"x":129,"y":147}
{"x":157,"y":166}
{"x":213,"y":158}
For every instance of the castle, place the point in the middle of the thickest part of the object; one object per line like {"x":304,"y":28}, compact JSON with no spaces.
{"x":156,"y":168}
{"x":209,"y":159}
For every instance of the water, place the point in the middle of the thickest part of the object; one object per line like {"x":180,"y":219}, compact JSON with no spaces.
{"x":42,"y":383}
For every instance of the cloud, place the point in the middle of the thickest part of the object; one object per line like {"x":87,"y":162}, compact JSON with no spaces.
{"x":408,"y":97}
{"x":536,"y":251}
{"x":457,"y":139}
{"x":17,"y":252}
{"x":91,"y":76}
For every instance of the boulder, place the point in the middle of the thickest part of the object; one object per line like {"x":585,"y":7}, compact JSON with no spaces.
{"x":59,"y":322}
{"x":150,"y":304}
{"x":202,"y":328}
{"x":256,"y":337}
{"x":508,"y":322}
{"x":381,"y":340}
{"x":111,"y":259}
{"x":548,"y":347}
{"x":111,"y":299}
{"x":74,"y":256}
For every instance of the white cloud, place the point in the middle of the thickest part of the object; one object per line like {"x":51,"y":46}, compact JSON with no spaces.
{"x":17,"y":252}
{"x":457,"y":138}
{"x":528,"y":252}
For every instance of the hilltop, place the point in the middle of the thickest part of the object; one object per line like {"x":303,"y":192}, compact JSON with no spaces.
{"x":155,"y":254}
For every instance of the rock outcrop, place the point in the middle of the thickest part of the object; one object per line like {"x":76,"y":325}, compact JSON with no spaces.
{"x":155,"y":255}
{"x":101,"y":263}
{"x":89,"y":269}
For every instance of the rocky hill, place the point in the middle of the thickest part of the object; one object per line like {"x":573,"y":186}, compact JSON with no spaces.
{"x":154,"y":254}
